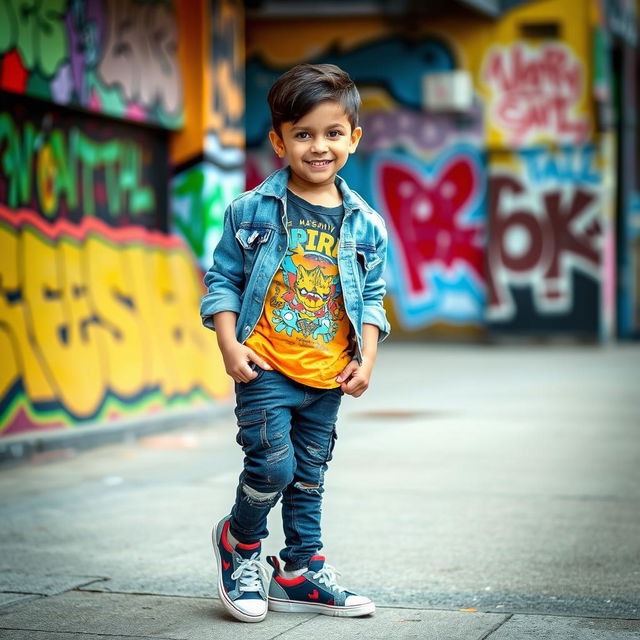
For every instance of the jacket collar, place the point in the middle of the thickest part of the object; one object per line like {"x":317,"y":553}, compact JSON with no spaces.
{"x":276,"y":185}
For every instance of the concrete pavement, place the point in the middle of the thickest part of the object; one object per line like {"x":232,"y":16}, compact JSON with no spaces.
{"x":476,"y":492}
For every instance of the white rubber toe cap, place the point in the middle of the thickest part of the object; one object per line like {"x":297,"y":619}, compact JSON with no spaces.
{"x":354,"y":601}
{"x":251,"y":607}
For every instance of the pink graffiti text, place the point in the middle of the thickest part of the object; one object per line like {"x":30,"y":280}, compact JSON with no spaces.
{"x":536,"y":92}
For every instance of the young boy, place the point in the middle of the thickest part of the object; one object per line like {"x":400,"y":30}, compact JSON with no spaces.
{"x":295,"y":296}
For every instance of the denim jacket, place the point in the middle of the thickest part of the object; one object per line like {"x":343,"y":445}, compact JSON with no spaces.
{"x":254,"y":243}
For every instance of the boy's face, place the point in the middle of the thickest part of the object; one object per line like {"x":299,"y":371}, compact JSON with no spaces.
{"x":318,"y":145}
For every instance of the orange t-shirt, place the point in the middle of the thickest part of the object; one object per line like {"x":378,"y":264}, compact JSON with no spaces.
{"x":304,"y":331}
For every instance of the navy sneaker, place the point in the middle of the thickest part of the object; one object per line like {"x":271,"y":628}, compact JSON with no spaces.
{"x":315,"y":590}
{"x":241,"y":576}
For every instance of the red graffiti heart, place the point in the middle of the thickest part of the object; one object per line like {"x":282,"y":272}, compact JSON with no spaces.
{"x":225,"y":565}
{"x":426,"y":216}
{"x":314,"y":595}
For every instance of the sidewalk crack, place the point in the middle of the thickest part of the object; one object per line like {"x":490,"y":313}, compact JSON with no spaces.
{"x":295,"y":626}
{"x":495,"y":627}
{"x":100,"y":634}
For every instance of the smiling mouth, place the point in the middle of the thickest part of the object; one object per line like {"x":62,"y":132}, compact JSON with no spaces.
{"x":318,"y":163}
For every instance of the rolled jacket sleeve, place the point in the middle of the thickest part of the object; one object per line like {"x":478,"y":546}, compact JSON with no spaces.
{"x":375,"y":288}
{"x":225,"y":278}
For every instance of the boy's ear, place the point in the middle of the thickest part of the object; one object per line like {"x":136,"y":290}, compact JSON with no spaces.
{"x":356,"y":134}
{"x":276,"y":143}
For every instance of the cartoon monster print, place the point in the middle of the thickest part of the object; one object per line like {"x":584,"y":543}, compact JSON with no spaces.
{"x":309,"y":303}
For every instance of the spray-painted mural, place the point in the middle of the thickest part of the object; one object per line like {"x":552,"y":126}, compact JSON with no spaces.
{"x":92,"y":296}
{"x":68,"y":167}
{"x":546,"y":235}
{"x":521,"y":156}
{"x":423,"y":172}
{"x":93,"y":324}
{"x":436,"y":222}
{"x":200,"y":195}
{"x":536,"y":93}
{"x":205,"y":183}
{"x":115,"y":57}
{"x":545,"y":241}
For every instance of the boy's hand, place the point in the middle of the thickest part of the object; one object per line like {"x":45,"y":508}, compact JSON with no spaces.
{"x":237,"y":357}
{"x":355,"y":378}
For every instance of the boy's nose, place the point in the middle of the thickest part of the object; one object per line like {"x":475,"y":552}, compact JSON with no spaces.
{"x":319,"y":145}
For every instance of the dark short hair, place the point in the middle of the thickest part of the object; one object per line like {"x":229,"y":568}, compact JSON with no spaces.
{"x":303,"y":87}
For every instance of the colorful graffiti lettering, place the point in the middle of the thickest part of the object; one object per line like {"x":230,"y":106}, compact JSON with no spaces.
{"x":37,"y":32}
{"x":138,"y":58}
{"x":437,"y":228}
{"x":117,"y":57}
{"x":65,"y":170}
{"x":201,"y":194}
{"x":545,"y":227}
{"x":93,"y":316}
{"x":536,"y":92}
{"x":568,"y":166}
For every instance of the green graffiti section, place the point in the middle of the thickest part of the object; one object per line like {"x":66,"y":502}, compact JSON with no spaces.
{"x":36,"y":29}
{"x":200,"y":197}
{"x":68,"y":168}
{"x":112,"y":56}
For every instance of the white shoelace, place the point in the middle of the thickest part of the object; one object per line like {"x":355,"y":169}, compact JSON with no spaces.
{"x":327,"y":575}
{"x":251,"y":573}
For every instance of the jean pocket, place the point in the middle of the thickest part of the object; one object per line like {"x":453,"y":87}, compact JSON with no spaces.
{"x":252,"y":428}
{"x":259,"y":370}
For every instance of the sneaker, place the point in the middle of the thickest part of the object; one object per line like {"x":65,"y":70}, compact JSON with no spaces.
{"x":241,"y":576}
{"x":315,"y":590}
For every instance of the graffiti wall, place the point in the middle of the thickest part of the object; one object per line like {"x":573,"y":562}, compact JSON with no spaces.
{"x":66,"y":166}
{"x":210,"y":173}
{"x":545,"y":241}
{"x":116,"y":57}
{"x":494,"y":212}
{"x":536,"y":93}
{"x":424,"y":172}
{"x":92,"y":295}
{"x":546,"y":233}
{"x":435,"y":211}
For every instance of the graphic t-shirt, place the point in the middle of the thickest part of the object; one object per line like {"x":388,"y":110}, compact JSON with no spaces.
{"x":304,"y":331}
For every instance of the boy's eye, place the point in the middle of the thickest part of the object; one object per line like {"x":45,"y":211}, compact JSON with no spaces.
{"x":335,"y":133}
{"x":302,"y":135}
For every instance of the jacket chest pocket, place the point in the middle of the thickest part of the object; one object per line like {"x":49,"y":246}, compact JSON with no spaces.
{"x":366,"y":258}
{"x":252,"y":240}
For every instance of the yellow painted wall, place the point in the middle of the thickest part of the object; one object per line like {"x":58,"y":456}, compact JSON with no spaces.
{"x":99,"y":310}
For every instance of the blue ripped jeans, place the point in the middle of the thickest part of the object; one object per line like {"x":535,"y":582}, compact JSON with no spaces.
{"x":287,"y":432}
